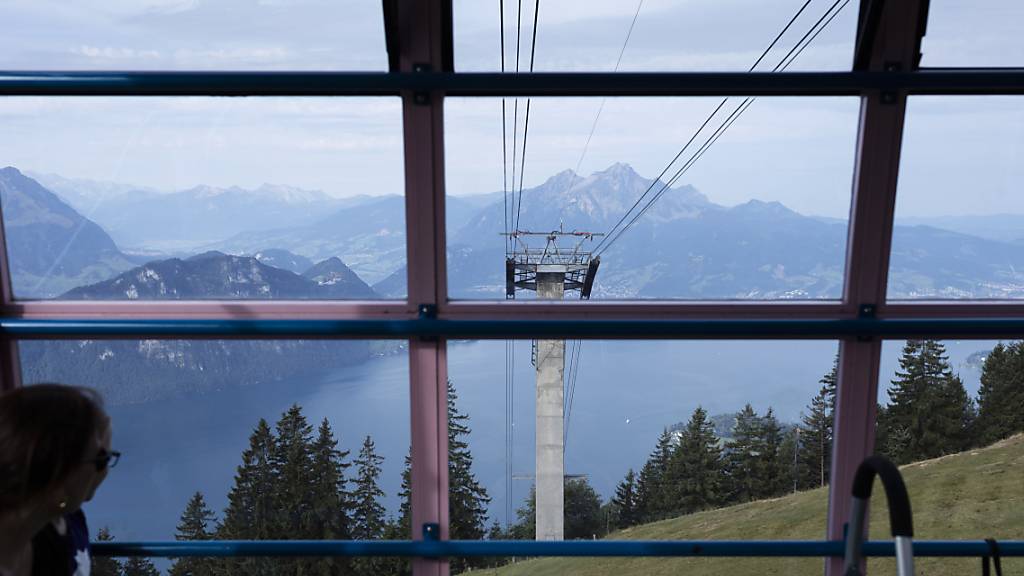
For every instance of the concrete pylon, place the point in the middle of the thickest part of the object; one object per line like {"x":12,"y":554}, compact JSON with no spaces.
{"x":550,"y":464}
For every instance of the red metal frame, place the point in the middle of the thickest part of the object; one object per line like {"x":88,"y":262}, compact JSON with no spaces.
{"x":872,"y":211}
{"x":10,"y":365}
{"x":421,"y":45}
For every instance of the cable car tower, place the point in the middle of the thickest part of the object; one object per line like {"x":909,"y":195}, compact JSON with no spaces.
{"x":560,"y":266}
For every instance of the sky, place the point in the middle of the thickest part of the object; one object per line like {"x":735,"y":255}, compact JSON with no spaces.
{"x":961,"y":155}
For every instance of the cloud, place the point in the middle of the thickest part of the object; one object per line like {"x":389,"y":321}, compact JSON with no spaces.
{"x":111,"y":53}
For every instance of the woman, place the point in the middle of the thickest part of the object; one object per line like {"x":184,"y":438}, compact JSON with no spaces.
{"x":54,"y":453}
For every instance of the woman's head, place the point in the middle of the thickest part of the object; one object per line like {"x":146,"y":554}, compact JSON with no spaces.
{"x":53,"y":441}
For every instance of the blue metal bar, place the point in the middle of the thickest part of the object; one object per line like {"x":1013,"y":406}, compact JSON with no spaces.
{"x":126,"y":83}
{"x":492,"y":329}
{"x":529,"y":548}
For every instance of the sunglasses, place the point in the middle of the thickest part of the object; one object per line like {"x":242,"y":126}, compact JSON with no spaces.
{"x":105,"y":459}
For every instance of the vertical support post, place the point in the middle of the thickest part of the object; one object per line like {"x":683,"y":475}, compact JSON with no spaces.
{"x":550,"y":453}
{"x":421,"y":45}
{"x":894,"y":46}
{"x":10,"y":362}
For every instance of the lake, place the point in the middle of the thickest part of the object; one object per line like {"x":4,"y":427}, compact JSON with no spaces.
{"x":626,"y":393}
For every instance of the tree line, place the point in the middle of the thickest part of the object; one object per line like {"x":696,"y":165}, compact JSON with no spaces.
{"x":929,"y":414}
{"x":294,"y":484}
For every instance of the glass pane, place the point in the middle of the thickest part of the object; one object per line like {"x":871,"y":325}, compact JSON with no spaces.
{"x":187,"y":415}
{"x":959,"y":218}
{"x":192,"y":35}
{"x":952,"y":412}
{"x":663,"y":35}
{"x":636,"y":417}
{"x":202,"y":198}
{"x":757,"y":214}
{"x":973,"y":34}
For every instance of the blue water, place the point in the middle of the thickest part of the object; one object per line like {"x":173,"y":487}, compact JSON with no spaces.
{"x":626,"y":393}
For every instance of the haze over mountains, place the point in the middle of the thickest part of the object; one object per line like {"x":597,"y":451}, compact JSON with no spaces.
{"x":686,"y":247}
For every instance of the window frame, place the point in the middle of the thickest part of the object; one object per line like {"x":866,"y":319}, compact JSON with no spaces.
{"x":886,"y":53}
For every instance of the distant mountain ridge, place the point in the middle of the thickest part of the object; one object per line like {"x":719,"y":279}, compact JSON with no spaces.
{"x":187,"y":219}
{"x":51,"y":246}
{"x":215,"y":275}
{"x":145,"y":370}
{"x":686,"y":246}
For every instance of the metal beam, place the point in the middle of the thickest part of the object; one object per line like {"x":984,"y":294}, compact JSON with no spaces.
{"x":527,"y":548}
{"x":888,"y":44}
{"x":592,"y":329}
{"x":421,"y":44}
{"x":10,"y":360}
{"x":492,"y":84}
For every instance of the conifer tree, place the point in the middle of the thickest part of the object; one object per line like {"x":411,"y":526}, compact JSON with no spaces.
{"x":814,"y":451}
{"x":467,"y":498}
{"x":743,"y":458}
{"x":789,"y":477}
{"x":930,"y":413}
{"x":104,"y":565}
{"x":1001,"y":396}
{"x":292,"y":461}
{"x":773,"y":463}
{"x":654,"y":486}
{"x":250,"y":511}
{"x":404,"y":521}
{"x":138,"y":566}
{"x":368,"y":521}
{"x":625,"y":501}
{"x":698,"y":460}
{"x":329,"y":500}
{"x":195,"y":524}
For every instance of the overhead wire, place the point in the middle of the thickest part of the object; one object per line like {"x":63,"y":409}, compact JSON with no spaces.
{"x":526,"y":122}
{"x":771,"y":45}
{"x":509,"y":364}
{"x":805,"y":41}
{"x":578,"y":344}
{"x":600,"y":109}
{"x":574,"y":371}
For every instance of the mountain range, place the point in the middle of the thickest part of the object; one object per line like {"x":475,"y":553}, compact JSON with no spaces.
{"x":686,"y":247}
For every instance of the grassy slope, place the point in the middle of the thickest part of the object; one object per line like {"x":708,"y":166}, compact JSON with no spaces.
{"x":971,"y":495}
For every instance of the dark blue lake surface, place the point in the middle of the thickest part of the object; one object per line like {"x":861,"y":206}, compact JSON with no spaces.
{"x":626,"y":393}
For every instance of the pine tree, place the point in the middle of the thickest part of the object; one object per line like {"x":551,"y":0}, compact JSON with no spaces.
{"x":789,"y":476}
{"x":467,"y":499}
{"x":930,"y":413}
{"x":104,"y":565}
{"x":194,"y":525}
{"x":743,"y":458}
{"x":1001,"y":396}
{"x":405,"y":500}
{"x":250,"y":511}
{"x":292,"y":461}
{"x":654,"y":486}
{"x":774,"y":464}
{"x":137,"y":566}
{"x":698,"y":462}
{"x":368,"y":522}
{"x":329,"y":501}
{"x":814,"y":452}
{"x":625,"y":501}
